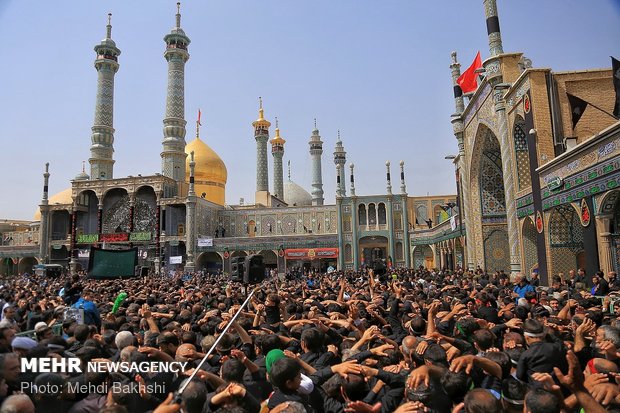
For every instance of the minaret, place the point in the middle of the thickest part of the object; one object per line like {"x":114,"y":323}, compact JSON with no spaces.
{"x":340,"y":158}
{"x":176,"y":54}
{"x":352,"y":179}
{"x":495,"y":37}
{"x":455,"y":66}
{"x":190,"y":218}
{"x":403,"y":187}
{"x":45,"y":213}
{"x":389,"y":178}
{"x":316,"y":150}
{"x":277,"y":150}
{"x":261,"y":134}
{"x":102,"y":148}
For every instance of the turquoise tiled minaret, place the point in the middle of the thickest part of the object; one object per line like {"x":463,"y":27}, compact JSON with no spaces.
{"x":277,"y":150}
{"x":316,"y":150}
{"x":176,"y":54}
{"x":340,"y":158}
{"x":261,"y":134}
{"x":102,"y":148}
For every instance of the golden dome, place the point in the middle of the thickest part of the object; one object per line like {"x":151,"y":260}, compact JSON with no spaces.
{"x":61,"y":198}
{"x":210,"y":173}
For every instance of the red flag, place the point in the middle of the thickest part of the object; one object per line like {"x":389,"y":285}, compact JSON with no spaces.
{"x":199,"y":113}
{"x":467,"y":81}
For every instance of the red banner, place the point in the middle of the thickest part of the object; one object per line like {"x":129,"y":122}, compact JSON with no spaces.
{"x":116,"y":237}
{"x":310,"y":253}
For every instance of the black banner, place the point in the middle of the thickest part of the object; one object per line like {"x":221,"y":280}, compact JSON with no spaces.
{"x":532,"y":150}
{"x":458,"y":92}
{"x":493,"y":25}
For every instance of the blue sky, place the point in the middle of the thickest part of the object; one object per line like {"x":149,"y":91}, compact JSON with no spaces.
{"x":376,"y":70}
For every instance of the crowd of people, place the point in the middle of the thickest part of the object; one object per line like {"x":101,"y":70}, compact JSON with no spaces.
{"x":410,"y":340}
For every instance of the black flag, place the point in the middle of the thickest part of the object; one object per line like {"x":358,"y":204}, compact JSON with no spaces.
{"x":577,"y":107}
{"x":615,"y":68}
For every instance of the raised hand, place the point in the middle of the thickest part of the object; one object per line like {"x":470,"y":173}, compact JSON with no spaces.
{"x":463,"y":363}
{"x":574,"y":379}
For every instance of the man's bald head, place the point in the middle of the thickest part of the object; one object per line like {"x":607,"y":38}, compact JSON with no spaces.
{"x":17,"y":404}
{"x":408,"y":345}
{"x":183,"y":351}
{"x":600,"y":365}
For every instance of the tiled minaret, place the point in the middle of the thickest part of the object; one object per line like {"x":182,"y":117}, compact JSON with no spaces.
{"x":45,"y":217}
{"x":176,"y":54}
{"x":261,"y":134}
{"x":340,"y":158}
{"x":316,"y":151}
{"x":277,"y":150}
{"x":102,"y":148}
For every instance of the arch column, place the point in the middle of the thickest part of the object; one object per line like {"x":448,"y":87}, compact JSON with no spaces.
{"x":509,"y":187}
{"x":605,"y":253}
{"x":390,"y":224}
{"x":406,"y":240}
{"x":354,"y":240}
{"x":72,"y":245}
{"x":340,"y":237}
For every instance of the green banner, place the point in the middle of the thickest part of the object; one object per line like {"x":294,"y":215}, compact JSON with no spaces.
{"x":87,"y":238}
{"x":112,"y":263}
{"x":140,"y":236}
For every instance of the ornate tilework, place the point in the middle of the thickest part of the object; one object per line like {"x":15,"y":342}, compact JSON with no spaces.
{"x":565,"y":238}
{"x":523,"y":157}
{"x":348,"y":254}
{"x":421,"y":254}
{"x":492,"y":195}
{"x":496,"y":249}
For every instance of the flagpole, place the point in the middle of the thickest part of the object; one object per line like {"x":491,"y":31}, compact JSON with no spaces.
{"x":602,"y":110}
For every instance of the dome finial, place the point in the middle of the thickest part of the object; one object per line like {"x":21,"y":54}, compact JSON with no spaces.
{"x":108,"y":33}
{"x":277,"y":123}
{"x":260,"y":108}
{"x":178,"y":15}
{"x":339,"y":140}
{"x":83,"y":166}
{"x":314,"y":123}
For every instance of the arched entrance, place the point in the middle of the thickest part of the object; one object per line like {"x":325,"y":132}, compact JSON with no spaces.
{"x":251,"y":228}
{"x":26,"y":264}
{"x":489,"y":213}
{"x":87,"y":209}
{"x":61,"y":225}
{"x":209,"y":261}
{"x":145,"y":210}
{"x":373,"y":248}
{"x":8,"y":266}
{"x":566,"y":240}
{"x":530,"y":253}
{"x":423,"y":257}
{"x":115,"y":211}
{"x":270,"y":259}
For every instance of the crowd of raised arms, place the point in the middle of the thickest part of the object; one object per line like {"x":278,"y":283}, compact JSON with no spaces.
{"x":410,"y":340}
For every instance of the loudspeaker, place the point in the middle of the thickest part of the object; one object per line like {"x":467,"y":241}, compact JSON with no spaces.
{"x":237,"y":268}
{"x":255,"y":270}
